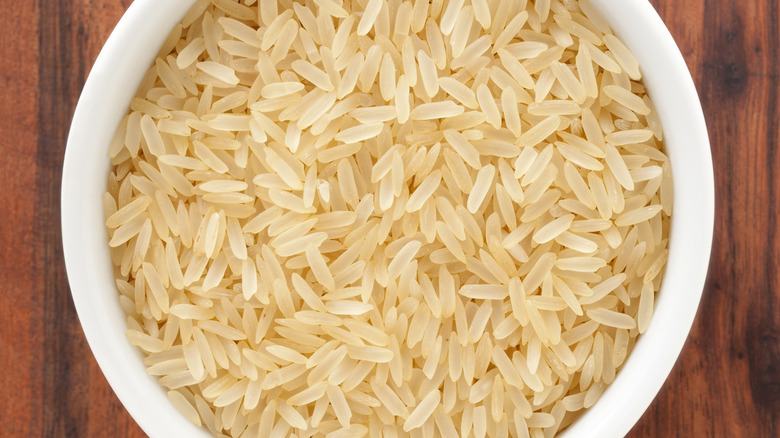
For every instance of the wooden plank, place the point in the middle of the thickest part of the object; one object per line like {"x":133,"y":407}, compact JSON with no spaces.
{"x":727,"y":381}
{"x":21,"y":328}
{"x":77,"y":401}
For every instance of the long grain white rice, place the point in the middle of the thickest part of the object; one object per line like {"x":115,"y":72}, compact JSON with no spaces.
{"x":428,"y":73}
{"x":460,"y":92}
{"x":350,"y":218}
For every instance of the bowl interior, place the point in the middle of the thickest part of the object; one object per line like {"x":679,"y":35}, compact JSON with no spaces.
{"x":671,"y":87}
{"x":104,"y":101}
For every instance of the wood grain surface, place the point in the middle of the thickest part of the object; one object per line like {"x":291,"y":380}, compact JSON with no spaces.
{"x":725,"y":384}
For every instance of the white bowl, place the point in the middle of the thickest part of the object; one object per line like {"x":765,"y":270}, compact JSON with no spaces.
{"x":125,"y":58}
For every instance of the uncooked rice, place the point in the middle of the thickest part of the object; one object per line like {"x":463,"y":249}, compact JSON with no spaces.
{"x":388,"y":218}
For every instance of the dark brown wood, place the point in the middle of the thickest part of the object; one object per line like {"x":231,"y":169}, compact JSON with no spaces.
{"x":725,"y":384}
{"x":51,"y":384}
{"x":21,"y":291}
{"x":727,"y":380}
{"x":76,"y":400}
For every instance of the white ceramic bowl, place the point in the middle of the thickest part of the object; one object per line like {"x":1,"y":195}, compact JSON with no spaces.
{"x":115,"y":76}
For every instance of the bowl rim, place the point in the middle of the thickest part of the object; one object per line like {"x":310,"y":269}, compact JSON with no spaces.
{"x":690,"y":240}
{"x":674,"y":94}
{"x":140,"y":394}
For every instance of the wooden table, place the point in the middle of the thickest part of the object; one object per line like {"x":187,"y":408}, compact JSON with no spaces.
{"x":725,"y":384}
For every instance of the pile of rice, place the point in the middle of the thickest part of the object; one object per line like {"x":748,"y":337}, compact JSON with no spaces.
{"x":388,"y":218}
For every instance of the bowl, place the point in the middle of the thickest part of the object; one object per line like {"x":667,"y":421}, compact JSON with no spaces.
{"x":114,"y":78}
